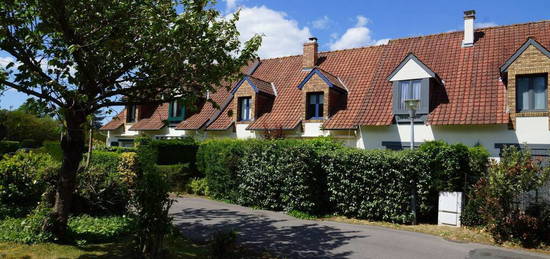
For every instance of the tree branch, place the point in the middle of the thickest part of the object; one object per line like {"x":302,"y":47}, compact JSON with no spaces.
{"x":31,"y":92}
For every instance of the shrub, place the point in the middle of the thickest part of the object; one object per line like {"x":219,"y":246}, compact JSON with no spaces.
{"x":23,"y":179}
{"x":101,"y":189}
{"x":377,"y":185}
{"x":87,"y":229}
{"x":30,"y":229}
{"x":176,"y":151}
{"x":7,"y":146}
{"x":218,"y":160}
{"x":199,"y":186}
{"x":151,"y":202}
{"x":471,"y":215}
{"x":20,"y":126}
{"x":178,"y":175}
{"x":53,"y":148}
{"x":516,"y":174}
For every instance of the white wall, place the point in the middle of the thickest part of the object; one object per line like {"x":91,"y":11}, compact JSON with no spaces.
{"x":529,"y":130}
{"x":411,"y":70}
{"x":242,"y":132}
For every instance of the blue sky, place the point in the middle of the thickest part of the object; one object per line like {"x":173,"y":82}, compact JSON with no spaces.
{"x":286,"y":24}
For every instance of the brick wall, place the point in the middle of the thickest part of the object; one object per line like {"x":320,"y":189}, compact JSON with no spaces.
{"x":531,"y":61}
{"x":309,"y":57}
{"x":245,"y":90}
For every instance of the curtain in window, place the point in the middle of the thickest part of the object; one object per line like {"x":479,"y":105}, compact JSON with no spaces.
{"x":416,"y":89}
{"x":245,"y":109}
{"x":403,"y":94}
{"x":523,"y":93}
{"x":539,"y":89}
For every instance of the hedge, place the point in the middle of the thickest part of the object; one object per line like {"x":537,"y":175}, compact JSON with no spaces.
{"x":7,"y":146}
{"x":178,"y":176}
{"x":176,"y":151}
{"x":320,"y":176}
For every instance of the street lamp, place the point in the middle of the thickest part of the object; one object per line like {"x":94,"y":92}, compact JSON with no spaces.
{"x":412,"y":105}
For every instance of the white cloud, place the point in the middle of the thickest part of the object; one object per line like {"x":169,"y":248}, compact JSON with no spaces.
{"x":484,"y":24}
{"x":230,"y":5}
{"x":357,"y":36}
{"x":281,"y":36}
{"x":321,"y":23}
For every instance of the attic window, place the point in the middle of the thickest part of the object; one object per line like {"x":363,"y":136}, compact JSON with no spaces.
{"x":176,"y":111}
{"x":244,"y":108}
{"x":409,"y":89}
{"x":531,"y":93}
{"x":131,"y":113}
{"x":315,"y":106}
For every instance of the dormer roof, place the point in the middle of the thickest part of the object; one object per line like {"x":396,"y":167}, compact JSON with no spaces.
{"x":257,"y":84}
{"x":411,"y":68}
{"x":330,"y":80}
{"x":529,"y":42}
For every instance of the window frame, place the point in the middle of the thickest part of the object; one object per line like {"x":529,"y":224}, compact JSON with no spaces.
{"x":318,"y":113}
{"x":131,"y":110}
{"x":401,"y":106}
{"x":531,"y":92}
{"x":174,"y":104}
{"x":240,"y":104}
{"x":426,"y":85}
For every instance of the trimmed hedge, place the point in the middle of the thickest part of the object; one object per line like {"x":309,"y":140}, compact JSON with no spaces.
{"x":176,"y":151}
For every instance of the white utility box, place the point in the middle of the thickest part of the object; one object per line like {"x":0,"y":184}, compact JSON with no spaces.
{"x":450,"y":208}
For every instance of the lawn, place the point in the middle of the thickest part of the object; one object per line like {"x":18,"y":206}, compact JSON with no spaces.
{"x":178,"y":247}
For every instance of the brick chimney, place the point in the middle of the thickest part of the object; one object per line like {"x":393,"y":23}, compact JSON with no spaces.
{"x":469,"y":18}
{"x":309,"y":58}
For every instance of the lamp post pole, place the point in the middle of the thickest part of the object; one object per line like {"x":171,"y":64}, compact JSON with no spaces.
{"x":412,"y":105}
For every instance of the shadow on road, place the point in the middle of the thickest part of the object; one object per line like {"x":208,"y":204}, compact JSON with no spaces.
{"x":287,"y":238}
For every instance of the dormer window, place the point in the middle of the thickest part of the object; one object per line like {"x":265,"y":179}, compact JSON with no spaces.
{"x":531,"y":93}
{"x":412,"y":79}
{"x":315,"y":106}
{"x":244,"y":109}
{"x":176,"y":111}
{"x":131,"y":113}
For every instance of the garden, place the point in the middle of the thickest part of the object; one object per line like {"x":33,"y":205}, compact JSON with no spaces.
{"x":123,"y":194}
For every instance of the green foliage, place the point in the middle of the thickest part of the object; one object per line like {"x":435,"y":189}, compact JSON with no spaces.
{"x":24,"y":177}
{"x":54,"y":149}
{"x":498,"y":191}
{"x":30,"y":229}
{"x":151,"y":202}
{"x":471,"y":215}
{"x":37,"y":107}
{"x":87,"y":229}
{"x":199,"y":186}
{"x":178,"y":176}
{"x":7,"y":146}
{"x":301,"y":215}
{"x":218,"y":160}
{"x":22,"y":126}
{"x":176,"y":151}
{"x":377,"y":185}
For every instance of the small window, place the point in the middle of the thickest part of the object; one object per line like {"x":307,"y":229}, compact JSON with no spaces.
{"x":176,"y":111}
{"x":131,"y":113}
{"x":531,"y":91}
{"x":315,"y":106}
{"x":244,"y":108}
{"x":409,"y":89}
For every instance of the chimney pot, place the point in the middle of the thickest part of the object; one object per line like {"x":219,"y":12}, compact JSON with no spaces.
{"x":469,"y":18}
{"x":309,"y":58}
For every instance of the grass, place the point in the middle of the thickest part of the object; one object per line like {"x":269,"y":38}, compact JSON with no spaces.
{"x":177,"y":246}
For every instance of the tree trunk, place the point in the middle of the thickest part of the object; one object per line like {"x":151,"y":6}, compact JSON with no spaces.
{"x":72,"y":144}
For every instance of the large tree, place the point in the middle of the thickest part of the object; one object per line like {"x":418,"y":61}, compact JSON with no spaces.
{"x":82,"y":56}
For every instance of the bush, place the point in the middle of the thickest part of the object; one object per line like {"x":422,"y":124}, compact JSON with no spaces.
{"x":7,"y":146}
{"x":199,"y":186}
{"x":176,"y":151}
{"x":21,"y":126}
{"x":178,"y":176}
{"x":500,"y":190}
{"x":101,"y":189}
{"x":53,"y":148}
{"x":87,"y":229}
{"x":151,"y":202}
{"x":29,"y":230}
{"x":471,"y":215}
{"x":24,"y":177}
{"x":218,"y":160}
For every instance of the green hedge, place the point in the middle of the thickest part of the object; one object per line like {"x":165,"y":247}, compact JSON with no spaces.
{"x":7,"y":146}
{"x":178,"y":176}
{"x":176,"y":151}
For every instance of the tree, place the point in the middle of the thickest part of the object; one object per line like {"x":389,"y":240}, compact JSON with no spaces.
{"x":82,"y":56}
{"x":37,"y":107}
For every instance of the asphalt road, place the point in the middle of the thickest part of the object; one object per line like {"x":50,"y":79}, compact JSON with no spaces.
{"x":289,"y":237}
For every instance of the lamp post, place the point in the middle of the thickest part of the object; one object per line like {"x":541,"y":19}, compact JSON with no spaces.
{"x":412,"y":105}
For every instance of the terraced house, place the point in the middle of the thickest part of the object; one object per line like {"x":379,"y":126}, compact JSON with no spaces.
{"x":484,"y":86}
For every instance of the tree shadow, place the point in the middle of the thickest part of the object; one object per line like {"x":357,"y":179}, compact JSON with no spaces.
{"x":288,"y":238}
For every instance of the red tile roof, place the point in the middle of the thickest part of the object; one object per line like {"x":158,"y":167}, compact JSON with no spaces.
{"x":472,"y":92}
{"x":116,"y":122}
{"x":153,"y":120}
{"x":262,"y":85}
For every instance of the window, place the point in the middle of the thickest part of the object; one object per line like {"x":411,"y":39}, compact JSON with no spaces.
{"x":176,"y":111}
{"x":315,"y":106}
{"x":409,"y":89}
{"x":531,"y":93}
{"x":244,"y":108}
{"x":131,"y":113}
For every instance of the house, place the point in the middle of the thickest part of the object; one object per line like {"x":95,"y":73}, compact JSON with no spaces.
{"x":485,"y":86}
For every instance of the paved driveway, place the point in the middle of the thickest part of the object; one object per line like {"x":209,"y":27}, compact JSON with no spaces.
{"x":294,"y":238}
